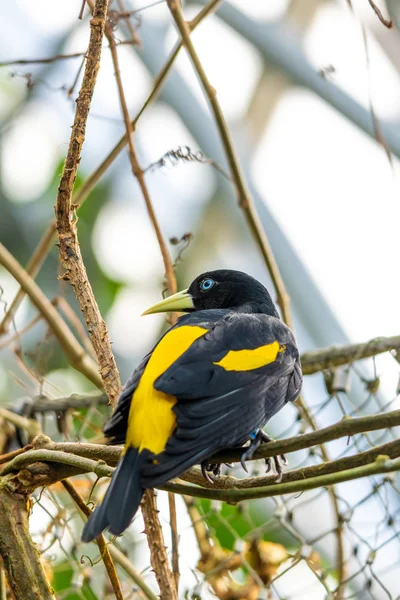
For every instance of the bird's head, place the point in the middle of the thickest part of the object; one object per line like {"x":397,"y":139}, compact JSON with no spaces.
{"x":219,"y":289}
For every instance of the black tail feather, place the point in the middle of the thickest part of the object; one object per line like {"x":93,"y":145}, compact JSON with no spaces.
{"x":121,"y":500}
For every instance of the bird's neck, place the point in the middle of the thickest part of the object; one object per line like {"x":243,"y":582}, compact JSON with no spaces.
{"x":266,"y":308}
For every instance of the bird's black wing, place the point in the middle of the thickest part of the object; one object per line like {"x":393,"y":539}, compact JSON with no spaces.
{"x":230,"y":382}
{"x":115,"y":428}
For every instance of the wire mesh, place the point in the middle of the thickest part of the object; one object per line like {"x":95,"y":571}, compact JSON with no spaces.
{"x":284,"y":547}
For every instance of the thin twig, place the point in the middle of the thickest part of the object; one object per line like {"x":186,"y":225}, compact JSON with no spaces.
{"x":31,"y":426}
{"x":243,"y":195}
{"x":32,"y":268}
{"x":174,"y":539}
{"x":10,"y":455}
{"x":73,"y":350}
{"x":51,"y":59}
{"x":124,"y":562}
{"x":137,"y":169}
{"x":386,"y":22}
{"x":100,"y":541}
{"x":69,"y":248}
{"x":81,"y":195}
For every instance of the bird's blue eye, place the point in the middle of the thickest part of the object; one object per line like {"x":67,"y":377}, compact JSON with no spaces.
{"x":206,"y":284}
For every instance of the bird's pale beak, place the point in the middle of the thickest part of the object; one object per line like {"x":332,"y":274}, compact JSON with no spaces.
{"x":176,"y":303}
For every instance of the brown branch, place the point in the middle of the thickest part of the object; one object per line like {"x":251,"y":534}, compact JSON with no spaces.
{"x":174,"y":538}
{"x":137,"y":169}
{"x":51,"y":59}
{"x":158,"y":555}
{"x":100,"y":459}
{"x":247,"y":205}
{"x":390,"y":449}
{"x":31,"y":426}
{"x":21,"y":559}
{"x":43,"y":404}
{"x":386,"y":22}
{"x":100,"y":541}
{"x":81,"y":195}
{"x":124,"y":562}
{"x":155,"y":540}
{"x":10,"y":455}
{"x":73,"y":350}
{"x":335,"y":356}
{"x":32,"y":268}
{"x":380,"y":466}
{"x":70,"y":253}
{"x":243,"y":195}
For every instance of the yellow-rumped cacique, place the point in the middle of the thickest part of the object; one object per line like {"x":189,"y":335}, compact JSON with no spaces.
{"x":211,"y":383}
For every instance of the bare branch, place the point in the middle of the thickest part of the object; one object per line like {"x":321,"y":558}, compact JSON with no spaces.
{"x":335,"y":356}
{"x":386,"y":22}
{"x":81,"y":195}
{"x":73,"y":350}
{"x":69,"y":248}
{"x":243,"y":195}
{"x":100,"y":541}
{"x":21,"y":560}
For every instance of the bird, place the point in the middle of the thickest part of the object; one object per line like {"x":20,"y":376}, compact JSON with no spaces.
{"x":211,"y":383}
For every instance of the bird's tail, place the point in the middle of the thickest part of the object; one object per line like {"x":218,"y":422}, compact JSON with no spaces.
{"x":121,"y":500}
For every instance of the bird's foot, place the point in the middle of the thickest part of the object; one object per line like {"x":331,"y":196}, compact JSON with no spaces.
{"x":210,"y":471}
{"x":257,"y":438}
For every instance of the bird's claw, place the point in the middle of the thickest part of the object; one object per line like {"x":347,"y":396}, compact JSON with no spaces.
{"x":262,"y":438}
{"x":208,"y":468}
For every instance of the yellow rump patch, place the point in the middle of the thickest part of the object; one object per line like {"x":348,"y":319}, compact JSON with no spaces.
{"x":246,"y":360}
{"x":151,"y":419}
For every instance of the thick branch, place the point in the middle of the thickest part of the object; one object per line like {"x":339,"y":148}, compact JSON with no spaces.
{"x":45,"y":449}
{"x":380,"y":466}
{"x":83,"y":458}
{"x":70,"y":253}
{"x":21,"y":559}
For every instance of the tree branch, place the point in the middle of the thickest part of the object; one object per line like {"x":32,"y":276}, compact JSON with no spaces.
{"x":124,"y":562}
{"x":21,"y":560}
{"x":243,"y":195}
{"x":100,"y":541}
{"x":137,"y":169}
{"x":73,"y":350}
{"x":81,"y":195}
{"x":335,"y":356}
{"x":100,"y":459}
{"x":70,"y":253}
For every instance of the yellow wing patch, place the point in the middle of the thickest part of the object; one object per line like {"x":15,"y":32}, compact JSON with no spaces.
{"x":151,"y":418}
{"x":246,"y":360}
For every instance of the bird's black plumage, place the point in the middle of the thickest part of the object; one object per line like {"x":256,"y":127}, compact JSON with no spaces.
{"x":242,"y":367}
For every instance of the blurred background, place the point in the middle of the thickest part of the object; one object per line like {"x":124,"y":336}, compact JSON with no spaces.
{"x":311,"y":92}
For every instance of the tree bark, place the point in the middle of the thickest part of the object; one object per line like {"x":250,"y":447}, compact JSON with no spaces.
{"x":21,"y":559}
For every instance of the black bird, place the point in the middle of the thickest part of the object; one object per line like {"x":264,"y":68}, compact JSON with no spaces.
{"x":211,"y":383}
